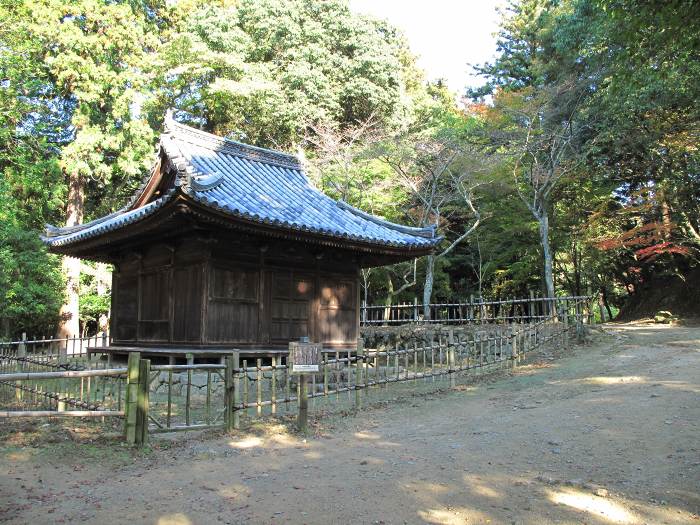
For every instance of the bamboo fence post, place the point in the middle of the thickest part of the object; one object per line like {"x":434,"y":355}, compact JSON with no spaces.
{"x":397,"y":364}
{"x":208,"y":401}
{"x":481,"y":353}
{"x":130,"y":404}
{"x":514,"y":347}
{"x":566,"y":330}
{"x":188,"y":400}
{"x":324,"y":359}
{"x":405,"y":363}
{"x":273,"y":387}
{"x":430,"y":339}
{"x":302,"y":418}
{"x":451,"y":356}
{"x":245,"y":387}
{"x":142,"y":402}
{"x":170,"y":395}
{"x":579,"y":323}
{"x":236,"y":363}
{"x":376,"y":366}
{"x":258,"y":386}
{"x":287,"y":384}
{"x":359,"y":365}
{"x":21,"y":354}
{"x":415,"y":359}
{"x":232,"y":392}
{"x":589,"y":305}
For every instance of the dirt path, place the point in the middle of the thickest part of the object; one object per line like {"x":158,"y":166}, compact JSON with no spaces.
{"x":610,"y":434}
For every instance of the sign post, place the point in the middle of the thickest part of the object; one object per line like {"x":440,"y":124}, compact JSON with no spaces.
{"x":304,"y":358}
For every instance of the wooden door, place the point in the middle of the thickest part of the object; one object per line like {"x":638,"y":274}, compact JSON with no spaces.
{"x":337,"y":311}
{"x":291,"y":302}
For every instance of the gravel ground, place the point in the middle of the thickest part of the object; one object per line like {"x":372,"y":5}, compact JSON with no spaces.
{"x":607,"y":433}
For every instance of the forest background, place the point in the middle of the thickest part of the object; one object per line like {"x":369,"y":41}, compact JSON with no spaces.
{"x":574,"y":169}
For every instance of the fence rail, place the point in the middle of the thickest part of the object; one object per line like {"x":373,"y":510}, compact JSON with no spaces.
{"x":474,"y":311}
{"x":37,"y":384}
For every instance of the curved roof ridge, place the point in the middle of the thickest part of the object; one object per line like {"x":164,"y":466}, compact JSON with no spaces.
{"x":58,"y":231}
{"x":428,"y":233}
{"x":58,"y":236}
{"x":226,"y":145}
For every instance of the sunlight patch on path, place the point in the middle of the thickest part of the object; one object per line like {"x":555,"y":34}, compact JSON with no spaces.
{"x":603,"y":380}
{"x":595,"y":505}
{"x":247,"y":442}
{"x":460,"y":516}
{"x":174,"y":519}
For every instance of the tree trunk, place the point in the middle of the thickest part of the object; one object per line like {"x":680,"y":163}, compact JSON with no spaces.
{"x":103,"y":276}
{"x":5,"y":328}
{"x":390,"y":290}
{"x":543,"y":221}
{"x":428,"y":287}
{"x":69,"y":324}
{"x":604,"y":297}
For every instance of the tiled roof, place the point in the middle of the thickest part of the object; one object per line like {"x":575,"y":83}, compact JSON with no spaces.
{"x":254,"y":184}
{"x":63,"y":236}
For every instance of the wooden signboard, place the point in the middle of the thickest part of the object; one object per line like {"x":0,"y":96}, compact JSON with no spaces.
{"x":304,"y":358}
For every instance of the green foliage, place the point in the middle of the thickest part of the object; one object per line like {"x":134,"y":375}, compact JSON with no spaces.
{"x":31,"y":183}
{"x":31,"y":286}
{"x":95,"y":53}
{"x":92,"y":307}
{"x":85,"y":84}
{"x":630,"y":70}
{"x":261,"y":71}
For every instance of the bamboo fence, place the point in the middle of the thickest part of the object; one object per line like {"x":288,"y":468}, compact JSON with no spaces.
{"x":475,"y":311}
{"x":166,"y":398}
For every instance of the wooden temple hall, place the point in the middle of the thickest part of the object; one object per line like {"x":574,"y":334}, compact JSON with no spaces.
{"x":228,"y":246}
